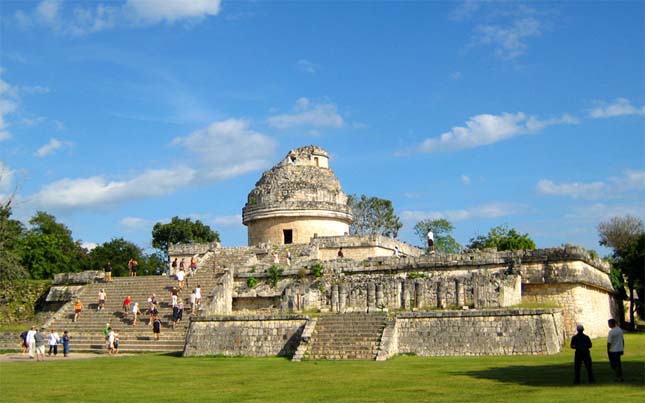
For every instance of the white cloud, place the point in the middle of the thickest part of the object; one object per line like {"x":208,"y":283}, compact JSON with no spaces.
{"x":631,"y":180}
{"x":8,"y":105}
{"x":132,"y":224}
{"x":307,"y":66}
{"x":602,"y":211}
{"x":456,"y":75}
{"x":89,"y":245}
{"x":51,"y":147}
{"x":97,"y":192}
{"x":228,"y":148}
{"x":487,"y":129}
{"x":573,"y":189}
{"x":86,"y":19}
{"x":619,"y":107}
{"x":465,"y":10}
{"x":6,"y":177}
{"x":307,"y":113}
{"x":465,"y":179}
{"x":228,"y":220}
{"x":509,"y":41}
{"x":490,"y":210}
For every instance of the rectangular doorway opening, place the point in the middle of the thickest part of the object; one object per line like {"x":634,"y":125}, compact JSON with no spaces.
{"x":288,"y":236}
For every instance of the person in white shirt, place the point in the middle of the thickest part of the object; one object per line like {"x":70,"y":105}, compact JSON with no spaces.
{"x":430,"y":242}
{"x":53,"y":341}
{"x":31,"y":341}
{"x":615,"y":348}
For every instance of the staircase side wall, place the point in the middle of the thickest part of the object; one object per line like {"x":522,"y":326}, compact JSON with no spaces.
{"x":481,"y":332}
{"x":244,"y":336}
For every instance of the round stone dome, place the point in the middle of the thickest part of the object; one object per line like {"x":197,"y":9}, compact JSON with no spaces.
{"x":297,"y":199}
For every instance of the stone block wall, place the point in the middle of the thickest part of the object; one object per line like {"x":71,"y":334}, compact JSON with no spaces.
{"x":581,"y":304}
{"x":252,"y":336}
{"x":480,"y":332}
{"x":10,"y":341}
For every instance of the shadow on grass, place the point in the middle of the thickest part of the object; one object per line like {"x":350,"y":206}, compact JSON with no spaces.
{"x":558,"y":374}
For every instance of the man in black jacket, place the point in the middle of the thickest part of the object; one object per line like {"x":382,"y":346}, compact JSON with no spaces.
{"x":582,"y":343}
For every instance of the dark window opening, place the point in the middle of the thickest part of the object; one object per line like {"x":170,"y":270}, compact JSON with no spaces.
{"x":288,"y":236}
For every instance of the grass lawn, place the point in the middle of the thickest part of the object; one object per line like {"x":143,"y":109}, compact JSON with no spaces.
{"x":159,"y":378}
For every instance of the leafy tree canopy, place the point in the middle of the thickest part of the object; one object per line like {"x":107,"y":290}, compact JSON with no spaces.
{"x":373,"y":216}
{"x":10,"y":233}
{"x":503,"y":238}
{"x":118,"y":252}
{"x":442,"y":231}
{"x":620,"y":233}
{"x":181,"y":230}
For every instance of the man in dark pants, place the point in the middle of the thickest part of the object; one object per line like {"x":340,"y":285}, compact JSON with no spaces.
{"x":582,"y":343}
{"x":615,"y":348}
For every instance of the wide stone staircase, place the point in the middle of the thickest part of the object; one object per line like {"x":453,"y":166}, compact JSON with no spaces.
{"x":87,"y":331}
{"x":349,"y":336}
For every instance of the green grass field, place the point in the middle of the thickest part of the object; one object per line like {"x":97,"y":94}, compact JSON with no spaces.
{"x":164,"y":378}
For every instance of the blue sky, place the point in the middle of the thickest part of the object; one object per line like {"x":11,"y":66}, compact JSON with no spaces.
{"x":116,"y":115}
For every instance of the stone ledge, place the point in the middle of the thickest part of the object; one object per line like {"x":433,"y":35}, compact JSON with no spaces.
{"x":477,"y":313}
{"x":250,"y":318}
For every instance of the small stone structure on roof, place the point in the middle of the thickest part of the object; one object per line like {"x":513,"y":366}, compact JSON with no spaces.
{"x":296,"y":200}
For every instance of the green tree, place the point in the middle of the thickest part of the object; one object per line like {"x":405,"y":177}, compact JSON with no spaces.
{"x":626,"y":237}
{"x":11,"y":231}
{"x":48,"y":248}
{"x":118,"y":252}
{"x":373,"y":216}
{"x":442,"y":231}
{"x":503,"y":238}
{"x":181,"y":230}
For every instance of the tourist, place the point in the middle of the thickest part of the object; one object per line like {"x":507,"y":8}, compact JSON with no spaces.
{"x":135,"y":268}
{"x":102,"y":296}
{"x":340,"y":252}
{"x":154,"y":313}
{"x":78,"y":308}
{"x":156,"y":328}
{"x":430,"y":242}
{"x":615,"y":348}
{"x":153,"y":299}
{"x":396,"y":250}
{"x":31,"y":341}
{"x":288,"y":258}
{"x":198,"y":295}
{"x":106,"y":335}
{"x":173,"y":299}
{"x":276,"y":258}
{"x":110,"y":342}
{"x":23,"y":342}
{"x":182,"y":264}
{"x":180,"y":277}
{"x":177,"y":313}
{"x":39,"y":339}
{"x":193,"y":266}
{"x":108,"y":272}
{"x":53,"y":341}
{"x":193,"y":300}
{"x":135,"y":312}
{"x":65,"y":340}
{"x":126,"y":305}
{"x":130,"y":266}
{"x":582,"y":343}
{"x":174,"y":266}
{"x":116,"y":342}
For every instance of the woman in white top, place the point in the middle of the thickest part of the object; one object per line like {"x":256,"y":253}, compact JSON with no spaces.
{"x":53,"y":341}
{"x":135,"y":311}
{"x":198,"y":294}
{"x":102,"y":296}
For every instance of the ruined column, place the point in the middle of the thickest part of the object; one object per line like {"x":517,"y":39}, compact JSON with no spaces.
{"x":371,"y":296}
{"x":440,"y":295}
{"x":342,"y":298}
{"x":380,"y":301}
{"x":419,"y":300}
{"x":406,"y":295}
{"x":334,"y":298}
{"x":460,"y":299}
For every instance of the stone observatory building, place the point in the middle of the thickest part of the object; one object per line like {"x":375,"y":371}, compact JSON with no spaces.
{"x":296,"y":200}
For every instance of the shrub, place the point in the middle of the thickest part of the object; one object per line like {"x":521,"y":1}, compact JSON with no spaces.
{"x":317,"y":270}
{"x":251,"y":282}
{"x":302,"y":273}
{"x":414,"y":275}
{"x":273,"y":275}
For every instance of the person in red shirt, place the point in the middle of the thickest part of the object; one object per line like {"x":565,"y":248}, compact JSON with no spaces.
{"x":126,"y":305}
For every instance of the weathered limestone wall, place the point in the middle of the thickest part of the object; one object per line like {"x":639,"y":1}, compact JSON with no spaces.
{"x":581,"y":304}
{"x":495,"y":332}
{"x":191,"y":249}
{"x":362,"y":247}
{"x":303,"y":228}
{"x":257,"y":336}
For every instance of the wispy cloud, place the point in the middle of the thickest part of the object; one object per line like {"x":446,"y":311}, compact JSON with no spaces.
{"x":490,"y":210}
{"x":465,"y":179}
{"x":631,"y":180}
{"x":307,"y":66}
{"x":481,"y":130}
{"x":619,"y":107}
{"x":465,"y":10}
{"x":8,"y":105}
{"x":307,"y":113}
{"x":89,"y":18}
{"x":134,"y":224}
{"x":509,"y":41}
{"x":6,"y":177}
{"x":51,"y":147}
{"x":228,"y":148}
{"x":228,"y":220}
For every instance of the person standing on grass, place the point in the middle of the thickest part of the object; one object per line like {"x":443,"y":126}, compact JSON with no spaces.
{"x":116,"y":342}
{"x":106,"y":334}
{"x":39,"y":338}
{"x":615,"y":348}
{"x":582,"y":343}
{"x":78,"y":308}
{"x":102,"y":296}
{"x":110,"y":342}
{"x":30,"y":339}
{"x":65,"y":340}
{"x":23,"y":342}
{"x":53,"y":341}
